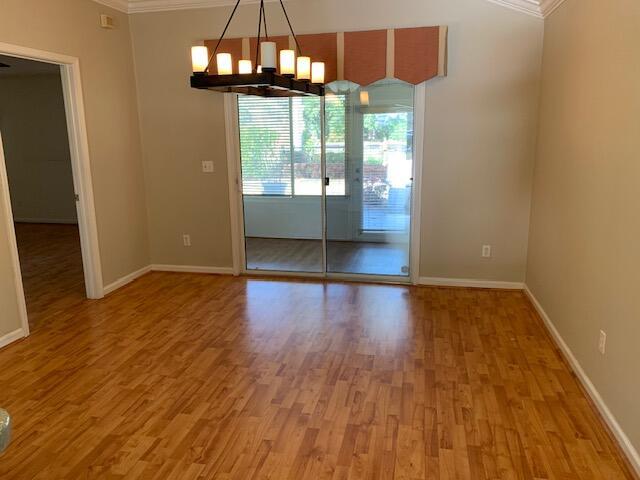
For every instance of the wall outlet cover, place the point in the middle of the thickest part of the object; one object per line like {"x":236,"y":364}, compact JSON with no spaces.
{"x":207,"y":166}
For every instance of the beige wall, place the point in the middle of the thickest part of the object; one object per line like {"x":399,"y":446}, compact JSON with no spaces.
{"x":36,"y":146}
{"x":480,"y":129}
{"x":583,"y":257}
{"x":71,"y":27}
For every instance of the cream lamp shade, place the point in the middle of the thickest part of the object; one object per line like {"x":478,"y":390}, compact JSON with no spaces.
{"x":317,"y":72}
{"x":287,"y":62}
{"x":268,"y":56}
{"x":244,"y":66}
{"x":225,"y":66}
{"x":304,"y":68}
{"x":199,"y":59}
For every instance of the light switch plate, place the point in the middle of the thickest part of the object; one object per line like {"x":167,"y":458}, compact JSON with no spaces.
{"x":207,"y":166}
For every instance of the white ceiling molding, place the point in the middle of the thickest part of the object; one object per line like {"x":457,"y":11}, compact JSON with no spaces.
{"x":536,"y":8}
{"x":122,"y":5}
{"x":548,"y":6}
{"x":139,"y":6}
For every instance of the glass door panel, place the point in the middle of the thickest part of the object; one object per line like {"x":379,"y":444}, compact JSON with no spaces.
{"x":280,"y":154}
{"x":368,"y":220}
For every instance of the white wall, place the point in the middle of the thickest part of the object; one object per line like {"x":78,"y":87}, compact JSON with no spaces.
{"x":480,"y":129}
{"x":36,"y":147}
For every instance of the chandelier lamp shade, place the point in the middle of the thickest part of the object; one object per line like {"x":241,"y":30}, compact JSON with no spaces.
{"x":297,"y":75}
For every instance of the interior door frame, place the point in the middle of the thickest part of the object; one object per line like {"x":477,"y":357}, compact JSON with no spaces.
{"x":80,"y":166}
{"x":236,"y":207}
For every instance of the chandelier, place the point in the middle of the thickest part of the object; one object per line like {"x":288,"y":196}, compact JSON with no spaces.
{"x":296,"y":77}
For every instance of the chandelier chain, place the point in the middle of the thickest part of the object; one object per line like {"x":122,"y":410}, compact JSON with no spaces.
{"x":291,"y":28}
{"x":262,"y":17}
{"x":215,"y":50}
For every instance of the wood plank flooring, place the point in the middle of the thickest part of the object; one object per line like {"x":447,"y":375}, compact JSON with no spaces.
{"x":181,"y":376}
{"x":293,"y":255}
{"x":51,"y":264}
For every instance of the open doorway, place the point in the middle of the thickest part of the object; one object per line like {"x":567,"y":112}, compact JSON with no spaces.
{"x":40,"y":181}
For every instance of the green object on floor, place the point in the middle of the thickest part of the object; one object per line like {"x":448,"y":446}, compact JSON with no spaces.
{"x":5,"y":430}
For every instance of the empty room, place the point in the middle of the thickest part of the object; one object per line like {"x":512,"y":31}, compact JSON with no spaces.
{"x":319,"y":239}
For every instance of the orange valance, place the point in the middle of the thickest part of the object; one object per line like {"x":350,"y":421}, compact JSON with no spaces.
{"x":413,"y":55}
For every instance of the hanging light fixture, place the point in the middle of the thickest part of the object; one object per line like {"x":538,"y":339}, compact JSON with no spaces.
{"x":265,"y":80}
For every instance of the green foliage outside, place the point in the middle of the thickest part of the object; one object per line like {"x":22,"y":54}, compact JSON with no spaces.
{"x":387,"y":127}
{"x":261,"y":158}
{"x":263,"y":152}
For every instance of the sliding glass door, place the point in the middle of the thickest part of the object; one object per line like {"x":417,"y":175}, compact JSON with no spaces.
{"x":347,"y":213}
{"x":368,"y":229}
{"x":280,"y":150}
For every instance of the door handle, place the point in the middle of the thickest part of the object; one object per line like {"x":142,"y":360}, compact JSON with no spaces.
{"x":326,"y":181}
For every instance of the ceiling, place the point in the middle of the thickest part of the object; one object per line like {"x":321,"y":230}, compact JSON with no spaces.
{"x":20,"y":66}
{"x":537,"y":8}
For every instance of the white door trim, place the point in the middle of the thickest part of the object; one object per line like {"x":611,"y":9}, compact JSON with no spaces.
{"x":80,"y":162}
{"x":235,"y":183}
{"x":13,"y":245}
{"x":419,"y":111}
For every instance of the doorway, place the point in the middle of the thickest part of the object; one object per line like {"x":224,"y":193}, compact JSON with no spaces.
{"x":45,"y":182}
{"x":40,"y":179}
{"x":326,"y":186}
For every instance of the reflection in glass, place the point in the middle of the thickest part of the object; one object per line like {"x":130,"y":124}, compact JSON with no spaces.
{"x":368,"y":227}
{"x":280,"y":153}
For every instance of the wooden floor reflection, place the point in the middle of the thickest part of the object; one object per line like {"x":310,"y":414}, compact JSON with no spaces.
{"x":293,"y":255}
{"x":184,"y":376}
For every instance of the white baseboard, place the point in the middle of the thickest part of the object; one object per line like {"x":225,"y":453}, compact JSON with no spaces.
{"x":624,"y":442}
{"x":458,"y":282}
{"x":126,"y":279}
{"x":192,"y":269}
{"x":11,"y":337}
{"x":63,"y":221}
{"x":165,"y":268}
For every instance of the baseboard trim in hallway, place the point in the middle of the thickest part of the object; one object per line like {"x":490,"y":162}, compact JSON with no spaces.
{"x":11,"y":337}
{"x":112,"y":287}
{"x":458,"y":282}
{"x":165,"y":268}
{"x":192,"y":269}
{"x":623,"y":441}
{"x":425,"y":281}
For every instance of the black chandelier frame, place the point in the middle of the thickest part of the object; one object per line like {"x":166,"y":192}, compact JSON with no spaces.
{"x":267,"y":83}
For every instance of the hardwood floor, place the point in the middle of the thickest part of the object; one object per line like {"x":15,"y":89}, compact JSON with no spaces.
{"x":292,"y":255}
{"x":181,"y":376}
{"x":51,"y":264}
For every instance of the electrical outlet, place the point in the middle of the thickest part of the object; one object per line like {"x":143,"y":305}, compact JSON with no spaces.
{"x":186,"y":240}
{"x":207,"y":166}
{"x":602,"y":343}
{"x":486,"y":251}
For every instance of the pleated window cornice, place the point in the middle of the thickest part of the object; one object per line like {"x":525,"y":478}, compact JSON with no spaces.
{"x":413,"y":55}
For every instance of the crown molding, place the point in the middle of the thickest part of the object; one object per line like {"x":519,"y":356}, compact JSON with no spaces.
{"x":549,"y":6}
{"x":120,"y":5}
{"x":529,"y":7}
{"x":536,"y":8}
